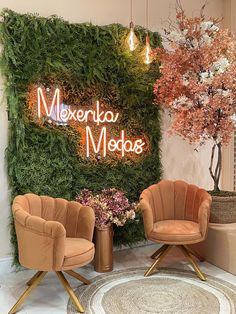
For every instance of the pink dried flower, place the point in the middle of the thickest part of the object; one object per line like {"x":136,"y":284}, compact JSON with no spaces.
{"x":198,"y":83}
{"x":110,"y":206}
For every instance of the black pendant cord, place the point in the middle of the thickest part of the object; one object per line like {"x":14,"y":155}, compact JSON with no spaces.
{"x":147,"y":20}
{"x":131,"y":10}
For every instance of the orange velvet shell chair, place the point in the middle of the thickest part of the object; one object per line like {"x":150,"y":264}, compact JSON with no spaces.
{"x":175,"y":213}
{"x":53,"y":235}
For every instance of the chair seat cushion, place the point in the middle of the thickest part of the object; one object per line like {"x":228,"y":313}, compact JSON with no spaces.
{"x":78,"y":252}
{"x":176,"y":232}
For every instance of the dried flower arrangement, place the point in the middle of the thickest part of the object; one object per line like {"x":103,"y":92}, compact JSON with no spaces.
{"x":110,"y":206}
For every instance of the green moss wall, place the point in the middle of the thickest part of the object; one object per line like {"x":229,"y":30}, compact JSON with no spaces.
{"x":87,"y":60}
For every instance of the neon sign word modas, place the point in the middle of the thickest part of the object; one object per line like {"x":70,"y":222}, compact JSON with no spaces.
{"x":101,"y":143}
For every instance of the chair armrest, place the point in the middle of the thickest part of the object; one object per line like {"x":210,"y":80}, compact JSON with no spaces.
{"x":80,"y":221}
{"x":53,"y":229}
{"x":203,"y":217}
{"x":41,"y":243}
{"x":147,"y":216}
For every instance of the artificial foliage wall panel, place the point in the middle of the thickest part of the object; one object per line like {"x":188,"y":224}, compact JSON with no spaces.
{"x":86,"y":63}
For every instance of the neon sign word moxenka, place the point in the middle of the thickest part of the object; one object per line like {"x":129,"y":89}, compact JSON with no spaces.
{"x":103,"y":142}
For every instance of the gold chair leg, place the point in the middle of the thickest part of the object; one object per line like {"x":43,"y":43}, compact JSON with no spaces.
{"x":162,"y":248}
{"x":35,"y":281}
{"x":191,"y":251}
{"x":193,"y":263}
{"x":69,"y":290}
{"x":158,"y":260}
{"x":78,"y":276}
{"x":33,"y":278}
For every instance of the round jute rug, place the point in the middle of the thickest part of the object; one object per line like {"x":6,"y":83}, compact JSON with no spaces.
{"x":167,"y":291}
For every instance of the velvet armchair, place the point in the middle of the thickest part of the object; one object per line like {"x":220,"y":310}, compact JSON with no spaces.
{"x":53,"y":234}
{"x":175,"y":213}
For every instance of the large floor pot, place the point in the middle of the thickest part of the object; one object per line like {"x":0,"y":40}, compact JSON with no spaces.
{"x":104,"y":249}
{"x":223,"y":209}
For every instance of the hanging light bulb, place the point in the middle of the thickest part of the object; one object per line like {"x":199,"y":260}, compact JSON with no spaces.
{"x":147,"y":52}
{"x":132,"y":39}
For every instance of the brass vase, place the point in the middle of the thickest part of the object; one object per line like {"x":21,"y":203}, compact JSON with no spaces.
{"x":104,"y":249}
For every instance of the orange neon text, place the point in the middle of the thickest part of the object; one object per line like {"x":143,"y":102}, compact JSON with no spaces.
{"x":99,"y":144}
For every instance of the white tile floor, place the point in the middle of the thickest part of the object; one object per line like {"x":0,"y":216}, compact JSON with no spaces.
{"x":50,"y":297}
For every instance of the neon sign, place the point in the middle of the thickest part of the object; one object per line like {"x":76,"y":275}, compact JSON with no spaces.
{"x":79,"y":115}
{"x":98,"y":124}
{"x":121,"y":145}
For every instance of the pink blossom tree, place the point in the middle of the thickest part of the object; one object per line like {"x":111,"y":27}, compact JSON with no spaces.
{"x":198,"y":83}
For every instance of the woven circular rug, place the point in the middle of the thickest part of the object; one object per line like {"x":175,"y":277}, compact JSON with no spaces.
{"x":167,"y":291}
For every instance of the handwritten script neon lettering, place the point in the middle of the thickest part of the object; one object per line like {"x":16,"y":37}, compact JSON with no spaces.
{"x":102,"y":144}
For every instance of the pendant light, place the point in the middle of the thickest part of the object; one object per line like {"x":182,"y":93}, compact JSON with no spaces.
{"x":131,"y":40}
{"x":147,"y":52}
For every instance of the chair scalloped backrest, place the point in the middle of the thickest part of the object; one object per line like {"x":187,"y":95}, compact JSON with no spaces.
{"x":174,"y":200}
{"x":50,"y":209}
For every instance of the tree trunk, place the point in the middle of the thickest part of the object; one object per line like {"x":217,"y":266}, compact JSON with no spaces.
{"x":215,"y":173}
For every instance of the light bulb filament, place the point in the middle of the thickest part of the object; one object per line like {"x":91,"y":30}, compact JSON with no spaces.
{"x":147,"y":54}
{"x":131,"y":40}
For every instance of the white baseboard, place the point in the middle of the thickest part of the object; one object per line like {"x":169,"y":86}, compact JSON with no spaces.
{"x":6,"y":265}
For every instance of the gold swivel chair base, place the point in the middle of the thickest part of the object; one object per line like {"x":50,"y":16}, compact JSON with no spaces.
{"x":162,"y":251}
{"x":35,"y":280}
